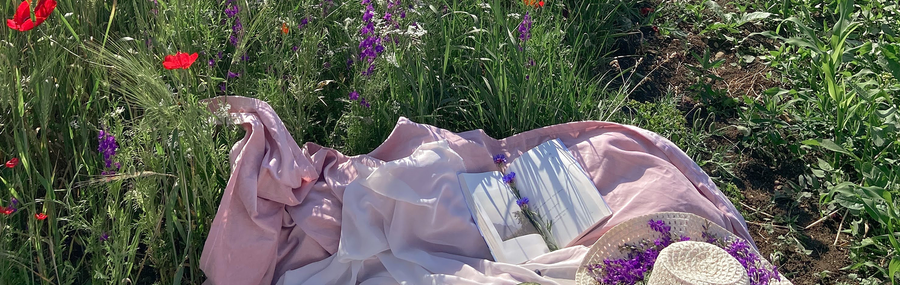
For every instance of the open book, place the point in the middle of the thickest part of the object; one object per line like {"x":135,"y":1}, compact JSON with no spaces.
{"x":558,"y":190}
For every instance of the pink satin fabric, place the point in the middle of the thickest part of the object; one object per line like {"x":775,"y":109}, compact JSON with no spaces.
{"x":281,"y":209}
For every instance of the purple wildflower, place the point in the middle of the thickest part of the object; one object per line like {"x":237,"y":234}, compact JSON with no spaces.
{"x":233,"y":40}
{"x":354,"y":95}
{"x":222,"y":86}
{"x":13,"y":202}
{"x":326,"y":65}
{"x":684,"y":238}
{"x":219,"y":55}
{"x":509,"y":177}
{"x":364,"y":103}
{"x":387,"y":17}
{"x":403,"y":15}
{"x":349,"y":62}
{"x":368,"y":14}
{"x":104,"y":237}
{"x":522,"y":202}
{"x":231,"y":11}
{"x":525,"y":28}
{"x":233,"y":74}
{"x":245,"y":57}
{"x":369,"y":28}
{"x":369,"y":71}
{"x":237,"y":27}
{"x":211,"y":62}
{"x":303,"y":22}
{"x":295,"y":48}
{"x":107,"y":147}
{"x":500,"y":158}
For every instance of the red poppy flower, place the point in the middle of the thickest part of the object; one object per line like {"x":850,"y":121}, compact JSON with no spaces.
{"x":646,"y":11}
{"x":6,"y":211}
{"x":655,"y":29}
{"x":541,"y":3}
{"x":284,"y":28}
{"x":40,"y":216}
{"x":21,"y":21}
{"x":179,"y":60}
{"x":12,"y":162}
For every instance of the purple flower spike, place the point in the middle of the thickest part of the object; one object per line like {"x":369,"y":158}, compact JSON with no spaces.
{"x":233,"y":74}
{"x":231,"y":11}
{"x":107,"y":147}
{"x":354,"y":95}
{"x":525,"y":28}
{"x":364,"y":103}
{"x":14,"y":201}
{"x":367,"y":16}
{"x":237,"y":27}
{"x":104,"y":237}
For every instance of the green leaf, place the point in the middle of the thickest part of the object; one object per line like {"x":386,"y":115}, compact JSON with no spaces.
{"x":824,"y":165}
{"x":830,"y":145}
{"x":750,"y":17}
{"x":810,"y":142}
{"x":893,"y":268}
{"x":892,"y":56}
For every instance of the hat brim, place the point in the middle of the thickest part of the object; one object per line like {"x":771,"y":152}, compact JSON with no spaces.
{"x":637,"y":229}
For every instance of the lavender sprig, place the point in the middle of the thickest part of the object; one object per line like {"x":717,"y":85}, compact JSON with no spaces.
{"x":533,"y":217}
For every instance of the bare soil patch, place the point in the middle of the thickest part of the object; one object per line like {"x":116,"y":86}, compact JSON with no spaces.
{"x":806,"y":256}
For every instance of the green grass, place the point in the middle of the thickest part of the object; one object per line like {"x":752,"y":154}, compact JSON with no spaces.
{"x":97,"y":65}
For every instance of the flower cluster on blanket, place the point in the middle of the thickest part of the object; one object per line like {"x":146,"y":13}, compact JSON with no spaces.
{"x":641,"y":257}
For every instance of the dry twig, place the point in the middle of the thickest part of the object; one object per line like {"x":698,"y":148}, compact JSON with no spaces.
{"x":820,"y":220}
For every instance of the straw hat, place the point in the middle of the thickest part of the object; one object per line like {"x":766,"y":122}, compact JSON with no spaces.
{"x":689,"y":262}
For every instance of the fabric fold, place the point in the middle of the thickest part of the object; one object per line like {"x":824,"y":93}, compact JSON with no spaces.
{"x":285,"y":208}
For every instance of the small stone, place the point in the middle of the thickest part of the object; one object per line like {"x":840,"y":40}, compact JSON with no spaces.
{"x":720,"y":55}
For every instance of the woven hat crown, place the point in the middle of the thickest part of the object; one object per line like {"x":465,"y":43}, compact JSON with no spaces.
{"x":696,"y":263}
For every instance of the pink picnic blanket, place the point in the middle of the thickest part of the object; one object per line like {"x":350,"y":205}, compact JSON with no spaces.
{"x":311,"y":215}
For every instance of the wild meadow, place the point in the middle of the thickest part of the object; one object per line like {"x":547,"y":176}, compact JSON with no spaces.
{"x":113,"y":167}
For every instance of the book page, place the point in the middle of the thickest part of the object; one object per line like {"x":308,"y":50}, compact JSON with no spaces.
{"x":509,"y":235}
{"x":559,"y":190}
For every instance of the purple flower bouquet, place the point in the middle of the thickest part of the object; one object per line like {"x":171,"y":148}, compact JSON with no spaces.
{"x":627,"y":252}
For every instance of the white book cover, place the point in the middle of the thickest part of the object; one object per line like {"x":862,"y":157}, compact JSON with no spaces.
{"x":557,"y":188}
